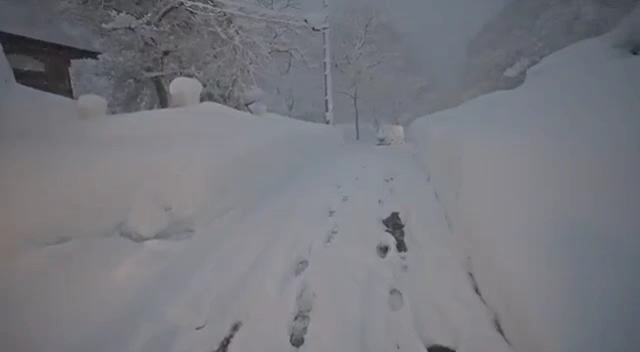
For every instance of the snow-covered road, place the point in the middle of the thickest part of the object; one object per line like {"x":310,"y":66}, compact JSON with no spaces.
{"x":303,"y":269}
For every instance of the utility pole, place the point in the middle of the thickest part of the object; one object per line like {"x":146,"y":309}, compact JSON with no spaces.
{"x":328,"y":92}
{"x":320,"y":23}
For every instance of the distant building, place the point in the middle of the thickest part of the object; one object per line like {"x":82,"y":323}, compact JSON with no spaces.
{"x":38,"y":47}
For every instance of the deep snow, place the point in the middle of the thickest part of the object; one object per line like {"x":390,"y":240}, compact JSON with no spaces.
{"x":194,"y":228}
{"x":540,"y":185}
{"x":169,"y":230}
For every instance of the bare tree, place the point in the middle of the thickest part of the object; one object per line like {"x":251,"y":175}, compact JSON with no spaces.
{"x":359,"y":57}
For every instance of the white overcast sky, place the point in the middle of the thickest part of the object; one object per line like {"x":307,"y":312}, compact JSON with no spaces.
{"x":435,"y":31}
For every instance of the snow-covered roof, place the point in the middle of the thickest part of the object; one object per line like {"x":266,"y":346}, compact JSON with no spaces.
{"x":37,"y":19}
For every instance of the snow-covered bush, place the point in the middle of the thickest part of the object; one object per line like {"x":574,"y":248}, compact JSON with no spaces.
{"x":531,"y":29}
{"x":185,"y":91}
{"x":518,"y":68}
{"x":147,"y":43}
{"x":92,"y":106}
{"x":390,"y":134}
{"x":258,"y":108}
{"x":252,"y":95}
{"x":6,"y":73}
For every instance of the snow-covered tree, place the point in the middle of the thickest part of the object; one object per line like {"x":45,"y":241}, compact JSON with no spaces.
{"x":356,"y":55}
{"x":375,"y":78}
{"x":526,"y":31}
{"x":227,"y":45}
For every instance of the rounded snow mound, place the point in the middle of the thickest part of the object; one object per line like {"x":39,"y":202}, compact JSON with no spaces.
{"x":185,"y":91}
{"x":92,"y":106}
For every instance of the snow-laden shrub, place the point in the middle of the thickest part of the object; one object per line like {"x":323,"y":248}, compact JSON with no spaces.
{"x":258,"y":108}
{"x":518,"y":68}
{"x":252,"y":95}
{"x":185,"y":91}
{"x":390,"y":134}
{"x":6,"y":73}
{"x":92,"y":106}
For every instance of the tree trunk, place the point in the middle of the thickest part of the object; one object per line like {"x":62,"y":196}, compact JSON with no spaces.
{"x":355,"y":106}
{"x":161,"y":92}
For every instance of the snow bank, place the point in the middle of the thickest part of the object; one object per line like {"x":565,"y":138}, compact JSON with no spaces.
{"x":92,"y":106}
{"x":540,"y":185}
{"x":93,"y":211}
{"x":185,"y":91}
{"x":82,"y":177}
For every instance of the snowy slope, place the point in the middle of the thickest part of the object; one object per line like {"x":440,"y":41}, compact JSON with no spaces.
{"x":266,"y":222}
{"x":540,"y":185}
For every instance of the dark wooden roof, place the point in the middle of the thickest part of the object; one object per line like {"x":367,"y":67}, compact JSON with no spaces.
{"x":16,"y":43}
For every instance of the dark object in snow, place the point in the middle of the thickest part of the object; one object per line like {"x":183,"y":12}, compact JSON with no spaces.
{"x":395,"y":227}
{"x":301,"y":324}
{"x":301,"y":321}
{"x":301,"y":266}
{"x":224,"y":344}
{"x":382,"y":249}
{"x":396,"y":301}
{"x":393,"y":222}
{"x":498,"y":326}
{"x":439,"y":348}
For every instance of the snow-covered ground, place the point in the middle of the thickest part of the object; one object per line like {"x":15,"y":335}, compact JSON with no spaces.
{"x":158,"y":231}
{"x":207,"y":229}
{"x":540,"y":186}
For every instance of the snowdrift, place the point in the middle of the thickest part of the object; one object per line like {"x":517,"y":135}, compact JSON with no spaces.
{"x":80,"y":176}
{"x":540,"y":185}
{"x":70,"y":186}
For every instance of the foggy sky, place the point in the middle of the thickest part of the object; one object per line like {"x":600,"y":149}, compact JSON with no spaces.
{"x":435,"y":32}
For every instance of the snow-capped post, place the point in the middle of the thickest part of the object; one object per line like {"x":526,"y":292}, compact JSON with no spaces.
{"x":185,"y":91}
{"x":92,"y":106}
{"x":320,"y":22}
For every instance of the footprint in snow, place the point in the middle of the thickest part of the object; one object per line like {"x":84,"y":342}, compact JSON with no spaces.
{"x":332,"y":212}
{"x":449,"y":223}
{"x":345,"y":199}
{"x":302,"y":318}
{"x":332,"y":234}
{"x":382,"y":249}
{"x":396,"y":301}
{"x":300,"y":267}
